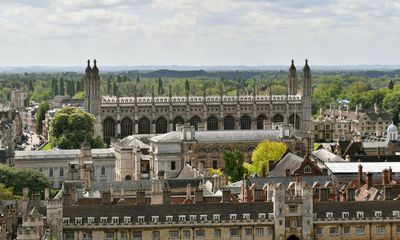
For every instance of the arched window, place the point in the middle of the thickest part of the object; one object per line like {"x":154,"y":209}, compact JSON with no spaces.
{"x":278,"y":118}
{"x":260,"y":121}
{"x":245,"y":122}
{"x":144,"y":126}
{"x":103,"y":171}
{"x":307,"y":169}
{"x":126,"y":127}
{"x":195,"y":121}
{"x":161,"y":125}
{"x":177,"y":120}
{"x":212,"y":123}
{"x":292,"y":120}
{"x":108,"y":129}
{"x":229,"y":123}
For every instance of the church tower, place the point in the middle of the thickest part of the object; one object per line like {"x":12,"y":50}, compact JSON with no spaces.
{"x":92,"y":89}
{"x":306,"y":123}
{"x":292,"y":86}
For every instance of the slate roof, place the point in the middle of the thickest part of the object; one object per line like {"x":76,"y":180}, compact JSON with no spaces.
{"x":326,"y":156}
{"x":62,"y":153}
{"x":130,"y":142}
{"x":368,"y":207}
{"x":167,"y":210}
{"x":223,"y":136}
{"x":352,"y":167}
{"x":289,"y":161}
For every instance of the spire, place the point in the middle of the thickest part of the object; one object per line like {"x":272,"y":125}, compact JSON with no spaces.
{"x":306,"y":67}
{"x":88,"y":68}
{"x":95,"y":66}
{"x":292,"y":67}
{"x":292,"y":83}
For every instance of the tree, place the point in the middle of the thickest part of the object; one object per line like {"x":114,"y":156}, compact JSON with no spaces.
{"x":392,"y":103}
{"x":62,"y":89}
{"x":391,"y":85}
{"x":234,"y":163}
{"x":40,"y":116}
{"x":6,"y":193}
{"x":79,"y":85}
{"x":187,"y":86}
{"x":109,"y":86}
{"x":137,"y":79}
{"x":79,"y":95}
{"x":19,"y":178}
{"x":160,"y":89}
{"x":115,"y":88}
{"x":55,"y":88}
{"x":70,"y":127}
{"x":30,"y":85}
{"x":265,"y":151}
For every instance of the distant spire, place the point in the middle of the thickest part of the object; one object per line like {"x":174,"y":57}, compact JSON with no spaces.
{"x":306,"y":67}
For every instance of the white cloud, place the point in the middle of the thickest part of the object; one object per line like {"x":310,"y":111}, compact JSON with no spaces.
{"x":208,"y":32}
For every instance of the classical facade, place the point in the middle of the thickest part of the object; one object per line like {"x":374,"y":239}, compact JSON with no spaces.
{"x":124,"y":116}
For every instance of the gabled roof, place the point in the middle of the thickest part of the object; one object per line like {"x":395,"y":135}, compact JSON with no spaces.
{"x":289,"y":161}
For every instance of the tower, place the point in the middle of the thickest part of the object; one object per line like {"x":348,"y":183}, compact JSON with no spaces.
{"x":292,"y":86}
{"x":306,"y":122}
{"x":92,"y":89}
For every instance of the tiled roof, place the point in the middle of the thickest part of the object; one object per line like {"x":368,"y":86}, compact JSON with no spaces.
{"x":289,"y":161}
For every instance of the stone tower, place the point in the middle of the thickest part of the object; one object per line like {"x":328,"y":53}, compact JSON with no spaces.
{"x":306,"y":96}
{"x":92,"y":89}
{"x":54,"y":215}
{"x":292,"y":86}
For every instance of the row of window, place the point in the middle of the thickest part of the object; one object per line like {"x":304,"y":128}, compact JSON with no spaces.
{"x":360,"y":214}
{"x":359,"y":230}
{"x":170,"y":218}
{"x":175,"y":234}
{"x":61,"y":171}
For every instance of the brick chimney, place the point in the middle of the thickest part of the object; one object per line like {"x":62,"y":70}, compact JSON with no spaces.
{"x":369,"y":180}
{"x":106,"y":198}
{"x":226,"y":195}
{"x":385,"y":177}
{"x":287,"y":172}
{"x":257,"y":194}
{"x":350,"y":194}
{"x":360,"y":175}
{"x":198,"y":195}
{"x":263,"y":171}
{"x":140,"y":197}
{"x":271,"y":165}
{"x":390,"y":175}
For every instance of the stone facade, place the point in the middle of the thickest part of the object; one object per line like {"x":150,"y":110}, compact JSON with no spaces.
{"x":124,"y":116}
{"x":18,"y":99}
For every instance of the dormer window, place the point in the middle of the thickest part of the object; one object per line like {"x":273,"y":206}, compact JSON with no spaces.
{"x":182,"y":218}
{"x":329,"y":215}
{"x":307,"y":169}
{"x":233,"y":217}
{"x":345,"y":215}
{"x":203,"y":217}
{"x":66,"y":220}
{"x":378,"y":214}
{"x":78,"y":220}
{"x":360,"y":214}
{"x":103,"y":219}
{"x":115,"y":220}
{"x":192,"y":217}
{"x":169,"y":218}
{"x":90,"y":220}
{"x":216,"y":217}
{"x":127,"y":219}
{"x":246,"y":216}
{"x":140,"y":218}
{"x":155,"y":219}
{"x":396,"y":214}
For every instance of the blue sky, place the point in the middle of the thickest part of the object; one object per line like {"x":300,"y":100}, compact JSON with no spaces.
{"x":193,"y":32}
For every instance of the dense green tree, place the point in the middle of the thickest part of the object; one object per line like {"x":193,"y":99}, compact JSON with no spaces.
{"x":62,"y":88}
{"x":265,"y":151}
{"x":19,"y":178}
{"x":187,"y":87}
{"x":70,"y":127}
{"x":160,"y":90}
{"x":137,"y":79}
{"x":40,"y":116}
{"x":109,"y":86}
{"x":392,"y":103}
{"x":70,"y":88}
{"x":79,"y":85}
{"x":79,"y":95}
{"x":30,"y":85}
{"x":234,"y":163}
{"x":391,"y":85}
{"x":56,"y":90}
{"x":6,"y":193}
{"x":115,"y":89}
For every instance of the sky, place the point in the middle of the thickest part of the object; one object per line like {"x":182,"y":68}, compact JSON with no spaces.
{"x":199,"y":32}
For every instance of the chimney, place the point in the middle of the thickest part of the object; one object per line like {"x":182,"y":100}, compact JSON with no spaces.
{"x":257,"y":194}
{"x":390,"y":175}
{"x":350,"y":194}
{"x":287,"y":172}
{"x":46,"y":194}
{"x":166,"y":196}
{"x":271,"y":165}
{"x":140,"y":197}
{"x":385,"y":177}
{"x":369,"y":180}
{"x":263,"y":171}
{"x":226,"y":195}
{"x":36,"y":199}
{"x":323,"y":194}
{"x":387,"y":190}
{"x":198,"y":195}
{"x":360,"y":175}
{"x":106,"y":198}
